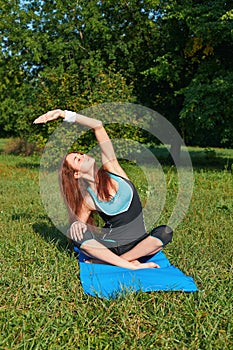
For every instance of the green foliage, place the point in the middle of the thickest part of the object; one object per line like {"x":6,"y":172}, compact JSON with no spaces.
{"x":173,"y":56}
{"x":191,"y":78}
{"x":207,"y":93}
{"x":52,"y":67}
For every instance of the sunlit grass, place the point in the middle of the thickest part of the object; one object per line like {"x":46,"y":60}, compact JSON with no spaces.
{"x":42,"y":305}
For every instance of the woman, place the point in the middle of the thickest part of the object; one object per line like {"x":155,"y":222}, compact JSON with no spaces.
{"x":109,"y":192}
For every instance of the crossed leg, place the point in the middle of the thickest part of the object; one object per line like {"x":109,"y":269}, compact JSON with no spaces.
{"x":156,"y":240}
{"x":149,"y":246}
{"x":152,"y":244}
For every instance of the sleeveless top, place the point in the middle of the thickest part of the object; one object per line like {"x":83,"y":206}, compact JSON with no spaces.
{"x":122,"y":213}
{"x":119,"y":203}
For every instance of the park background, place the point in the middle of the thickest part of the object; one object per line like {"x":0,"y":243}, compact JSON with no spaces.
{"x":174,"y":57}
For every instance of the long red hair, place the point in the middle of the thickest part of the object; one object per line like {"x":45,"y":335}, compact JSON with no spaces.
{"x":73,"y":190}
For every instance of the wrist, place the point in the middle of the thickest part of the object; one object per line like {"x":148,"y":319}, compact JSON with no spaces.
{"x":69,"y":116}
{"x":62,"y":114}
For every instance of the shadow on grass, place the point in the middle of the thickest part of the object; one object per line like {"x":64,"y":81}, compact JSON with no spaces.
{"x":25,"y":216}
{"x":46,"y":230}
{"x":208,"y":158}
{"x":211,"y":159}
{"x":28,"y":165}
{"x":52,"y":235}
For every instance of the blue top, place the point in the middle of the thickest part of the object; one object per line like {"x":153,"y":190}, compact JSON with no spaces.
{"x":120,"y":202}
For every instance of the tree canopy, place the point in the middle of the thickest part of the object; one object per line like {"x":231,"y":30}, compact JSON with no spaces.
{"x":172,"y":56}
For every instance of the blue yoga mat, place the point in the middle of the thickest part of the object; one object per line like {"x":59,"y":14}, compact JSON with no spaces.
{"x":107,"y":281}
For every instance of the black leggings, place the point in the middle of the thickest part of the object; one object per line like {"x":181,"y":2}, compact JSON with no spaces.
{"x":163,"y":233}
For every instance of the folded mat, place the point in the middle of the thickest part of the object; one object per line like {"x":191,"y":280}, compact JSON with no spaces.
{"x":107,"y":281}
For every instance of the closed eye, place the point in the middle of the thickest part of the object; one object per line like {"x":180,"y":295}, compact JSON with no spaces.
{"x":76,"y":157}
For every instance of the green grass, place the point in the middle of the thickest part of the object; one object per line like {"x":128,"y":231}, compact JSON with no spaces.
{"x":42,"y":305}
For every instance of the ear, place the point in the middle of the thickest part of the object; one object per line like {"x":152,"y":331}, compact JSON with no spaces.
{"x":76,"y":175}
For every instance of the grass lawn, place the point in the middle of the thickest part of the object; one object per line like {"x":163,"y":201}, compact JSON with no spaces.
{"x":42,"y":305}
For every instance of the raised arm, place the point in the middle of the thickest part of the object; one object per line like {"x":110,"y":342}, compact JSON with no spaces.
{"x":109,"y":160}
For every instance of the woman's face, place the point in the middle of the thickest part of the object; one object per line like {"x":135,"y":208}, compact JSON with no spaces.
{"x":80,"y":162}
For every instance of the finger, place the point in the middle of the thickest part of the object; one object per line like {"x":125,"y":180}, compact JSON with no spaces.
{"x":78,"y":232}
{"x":74,"y":233}
{"x":75,"y":236}
{"x":84,"y":228}
{"x":44,"y":118}
{"x":41,"y":119}
{"x":80,"y":235}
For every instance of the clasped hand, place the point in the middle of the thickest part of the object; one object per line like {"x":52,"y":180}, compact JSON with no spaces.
{"x":49,"y":116}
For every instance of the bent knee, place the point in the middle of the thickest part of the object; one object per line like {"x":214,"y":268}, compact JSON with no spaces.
{"x":164,"y":233}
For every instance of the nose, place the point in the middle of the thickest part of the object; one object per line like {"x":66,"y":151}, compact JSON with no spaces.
{"x":81,"y":155}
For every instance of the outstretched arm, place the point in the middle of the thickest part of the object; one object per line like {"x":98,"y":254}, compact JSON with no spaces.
{"x":109,"y":160}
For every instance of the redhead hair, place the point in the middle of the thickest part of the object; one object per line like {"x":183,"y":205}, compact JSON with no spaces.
{"x":73,"y":190}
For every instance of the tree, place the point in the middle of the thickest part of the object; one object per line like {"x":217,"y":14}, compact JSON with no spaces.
{"x":190,"y":81}
{"x":51,"y":64}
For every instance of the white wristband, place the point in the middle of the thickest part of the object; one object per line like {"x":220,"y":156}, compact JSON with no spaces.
{"x":70,"y":117}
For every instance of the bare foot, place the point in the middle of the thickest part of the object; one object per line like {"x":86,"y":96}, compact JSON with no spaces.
{"x":149,"y":265}
{"x":135,"y":262}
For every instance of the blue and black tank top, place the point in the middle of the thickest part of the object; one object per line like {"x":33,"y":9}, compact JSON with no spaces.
{"x":122,"y":214}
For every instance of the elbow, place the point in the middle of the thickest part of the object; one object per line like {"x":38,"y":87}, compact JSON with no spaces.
{"x":98,"y":125}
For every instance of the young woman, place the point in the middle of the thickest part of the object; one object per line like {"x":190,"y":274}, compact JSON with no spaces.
{"x":109,"y":192}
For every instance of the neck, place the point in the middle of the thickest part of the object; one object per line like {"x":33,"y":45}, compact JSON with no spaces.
{"x":91,"y":177}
